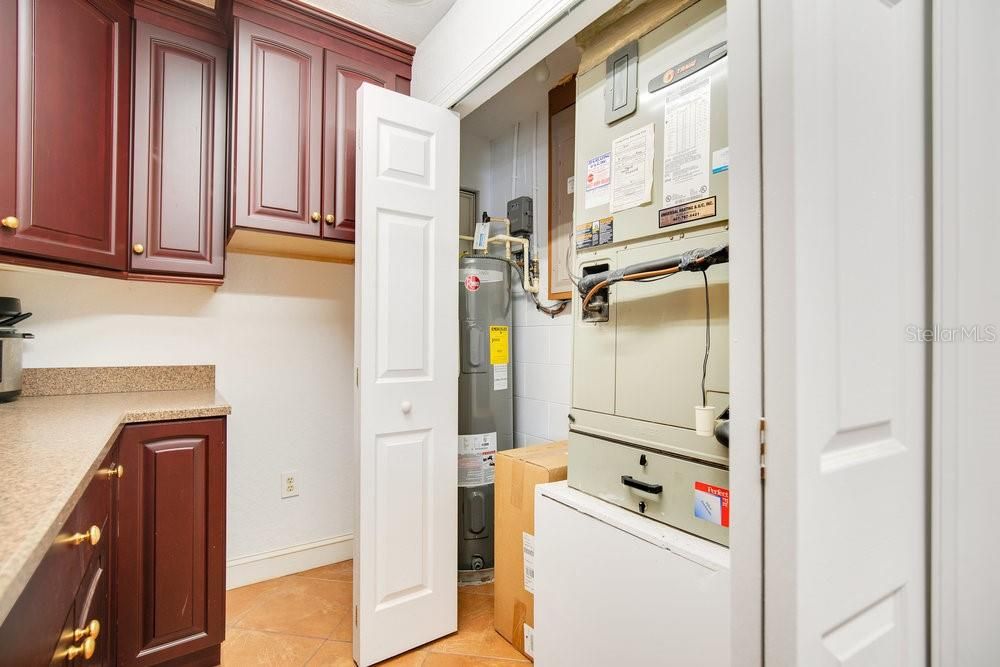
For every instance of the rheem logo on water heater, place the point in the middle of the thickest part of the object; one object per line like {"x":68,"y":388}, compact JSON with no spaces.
{"x":472,"y":283}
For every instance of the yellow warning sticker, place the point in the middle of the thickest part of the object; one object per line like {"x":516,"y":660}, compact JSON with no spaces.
{"x":499,"y":349}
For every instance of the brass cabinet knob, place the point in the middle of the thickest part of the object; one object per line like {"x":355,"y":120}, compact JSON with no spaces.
{"x":315,"y":216}
{"x":10,"y":222}
{"x":116,"y":471}
{"x":86,"y":649}
{"x":330,"y":219}
{"x":93,"y":536}
{"x":92,"y":629}
{"x":138,"y":249}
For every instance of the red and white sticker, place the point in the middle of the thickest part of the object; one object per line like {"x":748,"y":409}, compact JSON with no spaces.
{"x":472,"y":283}
{"x":711,"y":503}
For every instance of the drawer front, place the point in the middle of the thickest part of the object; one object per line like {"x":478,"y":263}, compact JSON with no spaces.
{"x":598,"y":466}
{"x":33,"y":633}
{"x":92,"y":608}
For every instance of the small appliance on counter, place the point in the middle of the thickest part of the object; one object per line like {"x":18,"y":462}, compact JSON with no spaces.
{"x":11,"y":341}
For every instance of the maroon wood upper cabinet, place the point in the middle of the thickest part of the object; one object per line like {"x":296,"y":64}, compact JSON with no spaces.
{"x":179,"y":155}
{"x":66,"y":179}
{"x":295,"y":128}
{"x":171,"y":540}
{"x":342,"y":78}
{"x":277,"y":131}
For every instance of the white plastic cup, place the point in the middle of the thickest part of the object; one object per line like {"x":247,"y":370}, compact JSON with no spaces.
{"x":704,"y":420}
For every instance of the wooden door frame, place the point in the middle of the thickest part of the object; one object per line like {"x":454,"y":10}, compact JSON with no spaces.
{"x":562,"y":97}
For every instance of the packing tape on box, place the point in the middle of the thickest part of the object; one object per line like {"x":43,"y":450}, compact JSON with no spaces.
{"x":516,"y":482}
{"x":520,"y":613}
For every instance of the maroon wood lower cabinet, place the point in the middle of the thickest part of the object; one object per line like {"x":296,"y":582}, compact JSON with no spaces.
{"x":171,"y":543}
{"x":64,"y":615}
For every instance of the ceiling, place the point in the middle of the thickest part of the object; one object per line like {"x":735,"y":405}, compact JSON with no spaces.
{"x":408,"y":20}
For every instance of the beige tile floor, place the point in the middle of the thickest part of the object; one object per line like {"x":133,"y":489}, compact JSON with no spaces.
{"x":305,"y":619}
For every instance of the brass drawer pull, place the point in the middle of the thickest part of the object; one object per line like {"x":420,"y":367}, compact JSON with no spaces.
{"x":116,"y":471}
{"x":10,"y":222}
{"x":86,"y":649}
{"x":93,"y":535}
{"x":93,"y":629}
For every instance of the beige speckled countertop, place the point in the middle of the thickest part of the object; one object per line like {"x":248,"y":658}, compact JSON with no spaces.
{"x":49,"y":448}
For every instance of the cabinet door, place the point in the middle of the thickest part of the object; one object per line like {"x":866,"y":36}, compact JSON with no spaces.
{"x":342,"y":78}
{"x":171,"y":540}
{"x":278,"y":131}
{"x":178,"y":198}
{"x":71,"y":161}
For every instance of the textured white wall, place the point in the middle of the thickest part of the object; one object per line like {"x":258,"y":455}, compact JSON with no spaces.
{"x":280,"y":333}
{"x":542,"y":345}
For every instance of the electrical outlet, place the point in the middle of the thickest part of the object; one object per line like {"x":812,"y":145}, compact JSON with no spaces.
{"x":289,"y":485}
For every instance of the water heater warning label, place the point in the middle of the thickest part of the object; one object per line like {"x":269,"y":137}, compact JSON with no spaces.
{"x":499,"y":347}
{"x":711,"y":503}
{"x":476,"y":458}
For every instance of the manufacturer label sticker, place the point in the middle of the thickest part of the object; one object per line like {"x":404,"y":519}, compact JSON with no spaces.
{"x":499,"y":347}
{"x":499,"y":377}
{"x":695,"y":210}
{"x":528,"y":544}
{"x":711,"y":503}
{"x":476,"y":458}
{"x":482,"y":232}
{"x":593,"y":234}
{"x":472,"y":282}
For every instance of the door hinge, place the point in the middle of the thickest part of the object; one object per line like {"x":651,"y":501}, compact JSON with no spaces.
{"x":357,"y":377}
{"x":357,"y":622}
{"x":763,"y":449}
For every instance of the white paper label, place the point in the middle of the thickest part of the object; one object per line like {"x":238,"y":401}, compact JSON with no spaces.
{"x":476,"y":458}
{"x":482,"y":232}
{"x":499,"y":377}
{"x":597,"y":190}
{"x":632,"y":169}
{"x":529,"y":640}
{"x":720,"y":160}
{"x":687,"y":125}
{"x":570,"y":185}
{"x":528,"y":542}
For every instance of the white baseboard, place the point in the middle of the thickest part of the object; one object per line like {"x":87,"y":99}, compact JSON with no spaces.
{"x":289,"y":560}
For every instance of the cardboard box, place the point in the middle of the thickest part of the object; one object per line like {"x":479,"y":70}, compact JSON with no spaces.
{"x":518,"y":471}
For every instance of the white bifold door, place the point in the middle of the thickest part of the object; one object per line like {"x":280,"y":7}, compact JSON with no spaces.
{"x":406,"y":396}
{"x":845,"y":214}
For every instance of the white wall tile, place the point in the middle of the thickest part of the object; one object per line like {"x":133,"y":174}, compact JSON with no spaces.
{"x":558,"y":428}
{"x":544,"y":382}
{"x":531,"y":344}
{"x":561,"y":346}
{"x":520,"y":379}
{"x":531,"y":417}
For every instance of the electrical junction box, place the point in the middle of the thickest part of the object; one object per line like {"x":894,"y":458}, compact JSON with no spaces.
{"x":521,"y":214}
{"x":637,"y":359}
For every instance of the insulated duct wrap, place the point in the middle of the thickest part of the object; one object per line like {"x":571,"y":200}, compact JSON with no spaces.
{"x":693,"y":260}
